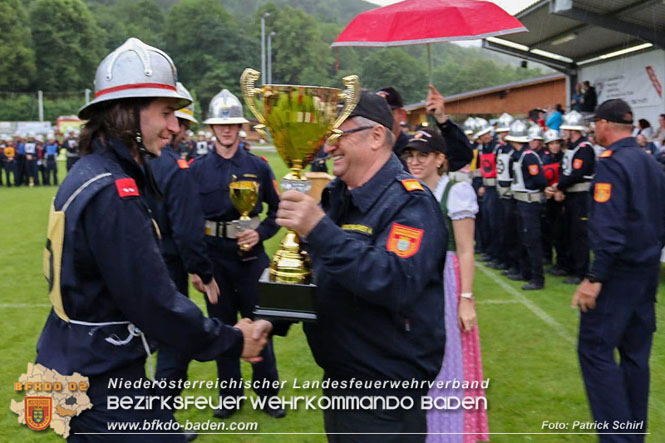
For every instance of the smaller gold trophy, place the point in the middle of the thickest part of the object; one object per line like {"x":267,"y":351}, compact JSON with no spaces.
{"x":244,"y":195}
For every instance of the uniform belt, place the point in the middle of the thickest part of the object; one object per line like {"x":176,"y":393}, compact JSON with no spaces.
{"x":489,"y":181}
{"x":504,"y":192}
{"x":229,"y":229}
{"x":579,"y":187}
{"x":72,"y":154}
{"x":529,"y":197}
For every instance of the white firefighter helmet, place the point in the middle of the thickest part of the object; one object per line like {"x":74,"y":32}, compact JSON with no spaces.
{"x":535,"y":132}
{"x":573,"y":121}
{"x":505,"y":120}
{"x":225,"y":109}
{"x":39,"y":138}
{"x":201,"y":134}
{"x":186,"y":113}
{"x":518,"y":132}
{"x":470,"y":125}
{"x":551,"y":135}
{"x":242,"y":134}
{"x":482,"y":127}
{"x":50,"y":136}
{"x":134,"y":70}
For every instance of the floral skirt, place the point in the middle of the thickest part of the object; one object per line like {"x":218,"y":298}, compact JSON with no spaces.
{"x":461,"y":362}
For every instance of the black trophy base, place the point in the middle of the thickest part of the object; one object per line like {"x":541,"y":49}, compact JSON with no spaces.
{"x":285,"y":301}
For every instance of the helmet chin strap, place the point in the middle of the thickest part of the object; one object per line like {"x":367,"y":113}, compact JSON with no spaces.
{"x":146,"y":156}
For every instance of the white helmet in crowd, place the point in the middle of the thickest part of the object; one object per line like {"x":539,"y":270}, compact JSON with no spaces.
{"x":470,"y":125}
{"x":505,"y":120}
{"x":482,"y":127}
{"x":552,"y":135}
{"x":134,"y":70}
{"x":573,"y":121}
{"x":186,"y":113}
{"x":225,"y":109}
{"x":39,"y":138}
{"x":242,"y":134}
{"x":50,"y":136}
{"x":535,"y":132}
{"x":518,"y":132}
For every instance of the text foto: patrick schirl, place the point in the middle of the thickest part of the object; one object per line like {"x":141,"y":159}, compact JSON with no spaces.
{"x":616,"y":425}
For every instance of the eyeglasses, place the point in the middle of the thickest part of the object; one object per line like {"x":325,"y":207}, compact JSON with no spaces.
{"x":335,"y":140}
{"x":417,"y":156}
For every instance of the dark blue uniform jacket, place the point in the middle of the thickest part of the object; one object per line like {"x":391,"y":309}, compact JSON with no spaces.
{"x":380,"y":315}
{"x":627,"y":215}
{"x":179,"y":215}
{"x":113,"y":271}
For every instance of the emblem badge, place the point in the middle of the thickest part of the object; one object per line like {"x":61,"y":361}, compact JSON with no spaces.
{"x":404,"y":241}
{"x":38,"y":412}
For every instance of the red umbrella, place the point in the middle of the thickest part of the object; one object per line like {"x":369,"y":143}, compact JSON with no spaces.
{"x":415,"y":22}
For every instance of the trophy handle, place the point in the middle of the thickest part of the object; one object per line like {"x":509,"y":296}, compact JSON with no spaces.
{"x":350,"y":97}
{"x":247,"y":79}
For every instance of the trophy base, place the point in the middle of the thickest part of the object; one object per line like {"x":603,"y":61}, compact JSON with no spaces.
{"x":285,"y":301}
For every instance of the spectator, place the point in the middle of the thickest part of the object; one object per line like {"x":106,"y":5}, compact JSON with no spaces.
{"x":648,"y":146}
{"x":644,"y":128}
{"x":590,"y":99}
{"x":576,"y":99}
{"x":554,"y":120}
{"x":659,"y":136}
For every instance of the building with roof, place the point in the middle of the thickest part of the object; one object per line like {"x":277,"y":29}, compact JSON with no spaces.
{"x":616,"y":45}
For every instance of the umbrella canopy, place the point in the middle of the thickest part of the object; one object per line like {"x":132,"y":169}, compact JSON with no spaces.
{"x":414,"y":22}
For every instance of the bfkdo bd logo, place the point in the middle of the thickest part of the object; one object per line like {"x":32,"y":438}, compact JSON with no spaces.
{"x":38,"y":412}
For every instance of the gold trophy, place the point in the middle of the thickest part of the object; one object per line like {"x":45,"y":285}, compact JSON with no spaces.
{"x":244,"y":195}
{"x":299,"y":118}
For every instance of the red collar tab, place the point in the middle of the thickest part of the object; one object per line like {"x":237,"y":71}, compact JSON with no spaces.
{"x":127,"y":187}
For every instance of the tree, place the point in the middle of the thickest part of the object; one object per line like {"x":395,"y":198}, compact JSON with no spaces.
{"x":206,"y":42}
{"x":394,"y":67}
{"x":17,"y":59}
{"x":66,"y":42}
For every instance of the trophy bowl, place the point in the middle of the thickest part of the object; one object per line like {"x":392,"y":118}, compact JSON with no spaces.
{"x":299,"y":118}
{"x":244,"y":195}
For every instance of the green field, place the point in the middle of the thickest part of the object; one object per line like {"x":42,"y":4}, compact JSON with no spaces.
{"x":527,"y":338}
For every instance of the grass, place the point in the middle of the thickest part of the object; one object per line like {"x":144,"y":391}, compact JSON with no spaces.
{"x":532,"y":366}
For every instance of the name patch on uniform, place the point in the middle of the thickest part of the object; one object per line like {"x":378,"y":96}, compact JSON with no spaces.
{"x":577,"y":164}
{"x":250,"y":175}
{"x":404,"y":240}
{"x":606,"y":153}
{"x":358,"y":228}
{"x":411,"y":184}
{"x":603,"y":192}
{"x":127,"y":187}
{"x":533,"y":169}
{"x":182,"y":163}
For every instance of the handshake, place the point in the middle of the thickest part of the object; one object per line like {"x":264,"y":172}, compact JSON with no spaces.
{"x":255,"y":337}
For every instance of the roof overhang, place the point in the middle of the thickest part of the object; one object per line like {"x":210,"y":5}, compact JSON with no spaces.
{"x":566,"y":34}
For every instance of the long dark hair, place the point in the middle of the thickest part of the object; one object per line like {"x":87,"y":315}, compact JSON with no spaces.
{"x":113,"y":119}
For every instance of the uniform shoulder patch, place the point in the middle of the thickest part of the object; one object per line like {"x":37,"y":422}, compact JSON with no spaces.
{"x":606,"y":153}
{"x":577,"y":164}
{"x":533,"y":169}
{"x":602,"y":192}
{"x":264,"y":158}
{"x":412,"y":184}
{"x":127,"y":187}
{"x":182,"y":163}
{"x":404,"y":241}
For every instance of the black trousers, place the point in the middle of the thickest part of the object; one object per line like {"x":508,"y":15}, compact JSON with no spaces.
{"x":531,"y":251}
{"x":356,"y":426}
{"x":51,"y":171}
{"x":624,"y":319}
{"x":171,"y":363}
{"x":509,"y":236}
{"x":98,"y":418}
{"x":491,"y":222}
{"x":577,"y":216}
{"x":238,"y":280}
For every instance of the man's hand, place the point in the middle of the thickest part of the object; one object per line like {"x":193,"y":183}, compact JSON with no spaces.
{"x":549,"y":192}
{"x":251,"y":347}
{"x":481,"y":191}
{"x":559,"y":196}
{"x":247,"y":239}
{"x":585,"y":296}
{"x":299,"y":212}
{"x":211,"y":290}
{"x":436,"y":105}
{"x":262,"y":328}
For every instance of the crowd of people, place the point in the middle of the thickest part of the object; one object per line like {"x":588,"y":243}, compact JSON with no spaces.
{"x":391,"y":244}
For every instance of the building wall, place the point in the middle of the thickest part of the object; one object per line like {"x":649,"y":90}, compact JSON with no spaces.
{"x":516,"y":101}
{"x":629,"y":78}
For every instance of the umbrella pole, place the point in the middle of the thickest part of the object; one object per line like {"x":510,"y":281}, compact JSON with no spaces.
{"x":429,"y":62}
